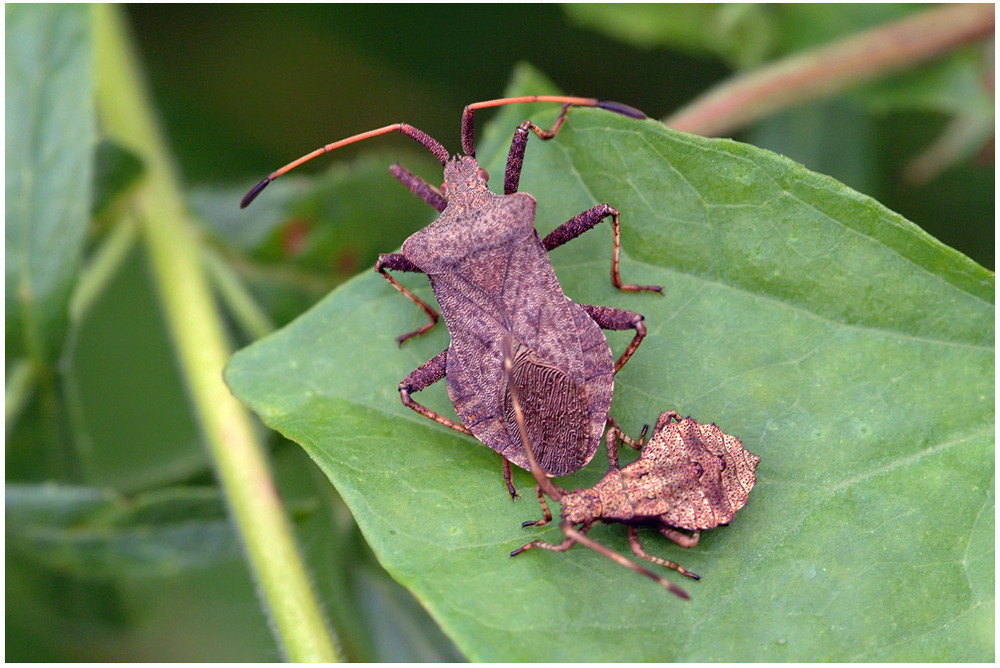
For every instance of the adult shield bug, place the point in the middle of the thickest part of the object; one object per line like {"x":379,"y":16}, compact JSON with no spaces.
{"x":492,"y":277}
{"x":689,"y":477}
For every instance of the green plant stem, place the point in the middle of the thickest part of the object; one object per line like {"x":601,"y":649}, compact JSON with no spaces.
{"x":20,"y":384}
{"x":241,"y":304}
{"x":301,"y":279}
{"x":100,"y":270}
{"x":831,"y":68}
{"x":197,"y":332}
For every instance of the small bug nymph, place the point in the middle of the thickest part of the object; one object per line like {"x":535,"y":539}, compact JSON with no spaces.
{"x":689,"y":477}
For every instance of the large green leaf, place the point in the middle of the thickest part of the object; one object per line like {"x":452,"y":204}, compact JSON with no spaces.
{"x":50,"y":136}
{"x":848,"y":349}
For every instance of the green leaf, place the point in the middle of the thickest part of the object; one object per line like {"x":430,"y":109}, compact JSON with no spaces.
{"x":847,"y":348}
{"x":742,"y":35}
{"x":93,"y":533}
{"x":833,"y":136}
{"x":50,"y":135}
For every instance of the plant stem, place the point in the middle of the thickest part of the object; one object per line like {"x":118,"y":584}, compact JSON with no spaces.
{"x":831,"y":68}
{"x":102,"y":269}
{"x":19,"y":386}
{"x":301,"y":279}
{"x":197,"y":332}
{"x":237,"y":298}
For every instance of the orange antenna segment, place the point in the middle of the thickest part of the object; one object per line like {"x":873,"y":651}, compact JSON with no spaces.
{"x":422,"y":138}
{"x":467,"y":140}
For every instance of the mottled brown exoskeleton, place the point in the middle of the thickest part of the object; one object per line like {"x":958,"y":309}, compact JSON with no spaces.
{"x":689,"y":477}
{"x":492,"y":277}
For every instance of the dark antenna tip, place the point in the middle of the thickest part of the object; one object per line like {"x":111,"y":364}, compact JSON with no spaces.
{"x":252,"y":195}
{"x":622,"y":109}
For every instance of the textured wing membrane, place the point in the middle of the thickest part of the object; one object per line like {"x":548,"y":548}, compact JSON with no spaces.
{"x":692,"y":476}
{"x":555,"y":412}
{"x":739,"y":476}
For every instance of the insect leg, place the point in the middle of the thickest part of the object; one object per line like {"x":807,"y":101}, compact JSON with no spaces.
{"x":620,"y":434}
{"x":398,"y":262}
{"x":419,"y":187}
{"x":561,"y":547}
{"x":545,"y":511}
{"x":509,"y":480}
{"x":422,"y":377}
{"x":582,"y":222}
{"x":515,"y":158}
{"x":612,"y":438}
{"x":617,"y":319}
{"x":633,"y":541}
{"x":572,"y":533}
{"x":680,"y":537}
{"x":664,"y":420}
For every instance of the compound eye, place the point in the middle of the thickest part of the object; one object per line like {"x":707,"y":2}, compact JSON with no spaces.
{"x":483,"y":175}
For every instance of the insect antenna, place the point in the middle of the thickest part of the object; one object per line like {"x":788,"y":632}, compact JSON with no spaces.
{"x":419,"y":136}
{"x":556,"y":493}
{"x":586,"y":541}
{"x":569,"y":101}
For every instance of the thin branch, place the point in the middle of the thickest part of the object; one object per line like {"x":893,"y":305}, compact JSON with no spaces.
{"x":241,"y":303}
{"x":18,"y":388}
{"x":199,"y":341}
{"x":288,"y":275}
{"x":829,"y":69}
{"x":102,"y":268}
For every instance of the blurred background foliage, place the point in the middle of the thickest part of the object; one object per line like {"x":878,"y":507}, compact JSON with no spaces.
{"x":118,"y":545}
